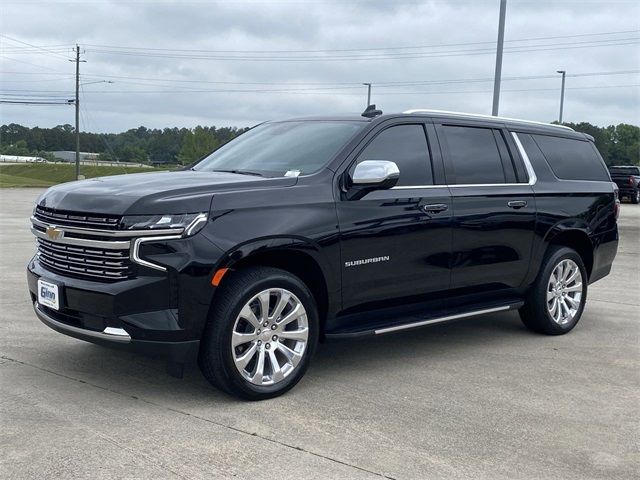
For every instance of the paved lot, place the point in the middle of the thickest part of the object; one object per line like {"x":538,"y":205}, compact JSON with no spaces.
{"x":477,"y":399}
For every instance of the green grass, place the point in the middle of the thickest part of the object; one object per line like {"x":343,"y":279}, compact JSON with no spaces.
{"x":47,"y":174}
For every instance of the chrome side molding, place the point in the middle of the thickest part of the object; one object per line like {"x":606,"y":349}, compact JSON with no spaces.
{"x":448,"y":318}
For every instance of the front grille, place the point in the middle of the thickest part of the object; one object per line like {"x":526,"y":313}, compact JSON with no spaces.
{"x":92,"y":263}
{"x":77,"y":219}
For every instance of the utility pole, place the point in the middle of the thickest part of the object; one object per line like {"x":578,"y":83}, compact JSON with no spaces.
{"x":368,"y":85}
{"x":498,"y":74}
{"x":77,"y":103}
{"x":564,"y":74}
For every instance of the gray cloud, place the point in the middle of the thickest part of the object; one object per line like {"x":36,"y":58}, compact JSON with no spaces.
{"x":314,"y":25}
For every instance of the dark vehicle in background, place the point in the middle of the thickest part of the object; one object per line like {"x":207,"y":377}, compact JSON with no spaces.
{"x":627,"y":178}
{"x":304,"y":230}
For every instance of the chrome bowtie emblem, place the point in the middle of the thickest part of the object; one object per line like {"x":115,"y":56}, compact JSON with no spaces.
{"x":54,"y":233}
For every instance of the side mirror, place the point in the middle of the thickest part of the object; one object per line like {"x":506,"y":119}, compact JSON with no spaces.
{"x":371,"y":175}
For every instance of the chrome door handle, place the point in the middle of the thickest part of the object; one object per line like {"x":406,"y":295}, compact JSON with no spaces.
{"x":517,"y":204}
{"x":434,"y":207}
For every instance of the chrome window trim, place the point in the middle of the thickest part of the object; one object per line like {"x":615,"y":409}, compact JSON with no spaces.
{"x":525,"y":158}
{"x":83,"y":242}
{"x":467,"y":185}
{"x":107,"y":233}
{"x":527,"y":165}
{"x":409,"y":187}
{"x":135,"y":250}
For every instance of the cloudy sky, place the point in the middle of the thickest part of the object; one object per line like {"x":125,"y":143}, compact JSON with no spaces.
{"x":184,"y":63}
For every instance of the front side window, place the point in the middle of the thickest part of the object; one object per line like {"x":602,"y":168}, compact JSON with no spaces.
{"x":473,"y":155}
{"x":276,"y":149}
{"x":406,"y":145}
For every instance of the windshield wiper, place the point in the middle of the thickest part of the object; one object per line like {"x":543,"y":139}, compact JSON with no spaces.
{"x":242,"y":172}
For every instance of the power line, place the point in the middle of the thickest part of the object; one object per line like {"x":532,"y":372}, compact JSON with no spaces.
{"x":28,"y":102}
{"x":317,"y":87}
{"x":173,"y":92}
{"x":33,"y":73}
{"x":354,"y":84}
{"x":27,"y":63}
{"x":35,"y":46}
{"x":593,"y":87}
{"x":408,"y":47}
{"x":384,"y":56}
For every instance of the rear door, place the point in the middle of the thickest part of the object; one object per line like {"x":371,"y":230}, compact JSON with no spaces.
{"x":493,"y":204}
{"x":397,"y":242}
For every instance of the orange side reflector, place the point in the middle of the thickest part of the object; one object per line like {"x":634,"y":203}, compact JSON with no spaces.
{"x":217,"y":278}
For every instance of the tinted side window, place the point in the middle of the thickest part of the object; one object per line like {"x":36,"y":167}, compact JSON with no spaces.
{"x":406,"y":145}
{"x":572,"y":159}
{"x":474,"y":155}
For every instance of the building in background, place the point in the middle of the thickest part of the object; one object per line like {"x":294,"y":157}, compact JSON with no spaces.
{"x":70,"y":156}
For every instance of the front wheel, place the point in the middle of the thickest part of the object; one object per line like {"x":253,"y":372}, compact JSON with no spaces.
{"x":556,"y":300}
{"x":635,"y":197}
{"x":262,"y":331}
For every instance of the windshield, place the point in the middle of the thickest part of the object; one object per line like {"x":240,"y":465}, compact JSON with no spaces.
{"x":276,"y":149}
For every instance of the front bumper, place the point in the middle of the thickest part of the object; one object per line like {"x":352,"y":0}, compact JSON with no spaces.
{"x":180,"y":352}
{"x":149,"y":314}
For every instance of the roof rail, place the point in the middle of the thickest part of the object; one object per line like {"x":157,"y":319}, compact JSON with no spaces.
{"x":479,"y":115}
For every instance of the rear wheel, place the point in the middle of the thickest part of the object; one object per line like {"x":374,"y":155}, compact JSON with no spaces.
{"x":262,"y":332}
{"x":556,"y":300}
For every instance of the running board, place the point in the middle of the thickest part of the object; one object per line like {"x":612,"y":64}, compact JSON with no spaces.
{"x":381,"y":330}
{"x":448,"y":318}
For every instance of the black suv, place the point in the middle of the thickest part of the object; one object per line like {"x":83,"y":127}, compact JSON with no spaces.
{"x":316,"y":228}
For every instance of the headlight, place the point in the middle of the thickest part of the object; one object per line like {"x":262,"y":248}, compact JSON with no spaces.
{"x":192,"y":223}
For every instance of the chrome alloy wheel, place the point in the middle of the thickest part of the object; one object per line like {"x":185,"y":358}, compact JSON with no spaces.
{"x":564,"y":292}
{"x":270,"y":336}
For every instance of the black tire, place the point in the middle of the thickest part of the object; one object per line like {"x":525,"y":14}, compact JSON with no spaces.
{"x":535,"y":314}
{"x":216,"y":353}
{"x":635,"y":197}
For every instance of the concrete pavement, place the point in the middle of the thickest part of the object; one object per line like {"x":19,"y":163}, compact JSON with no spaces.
{"x":483,"y":398}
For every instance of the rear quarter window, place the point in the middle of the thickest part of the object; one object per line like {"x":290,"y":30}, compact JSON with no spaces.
{"x":572,"y":159}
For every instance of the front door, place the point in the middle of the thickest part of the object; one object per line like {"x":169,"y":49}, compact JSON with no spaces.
{"x":397,"y":242}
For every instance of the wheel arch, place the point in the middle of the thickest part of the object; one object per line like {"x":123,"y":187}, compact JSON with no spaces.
{"x":576,"y":238}
{"x":302,"y":259}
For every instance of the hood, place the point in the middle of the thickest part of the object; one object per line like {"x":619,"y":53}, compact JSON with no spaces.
{"x":152,"y":193}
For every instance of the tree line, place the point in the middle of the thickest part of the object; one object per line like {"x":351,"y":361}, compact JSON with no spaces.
{"x":142,"y":145}
{"x":619,"y":144}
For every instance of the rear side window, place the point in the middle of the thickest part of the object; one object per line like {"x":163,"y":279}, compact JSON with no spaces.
{"x":473,"y":155}
{"x":406,"y":145}
{"x":572,"y":159}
